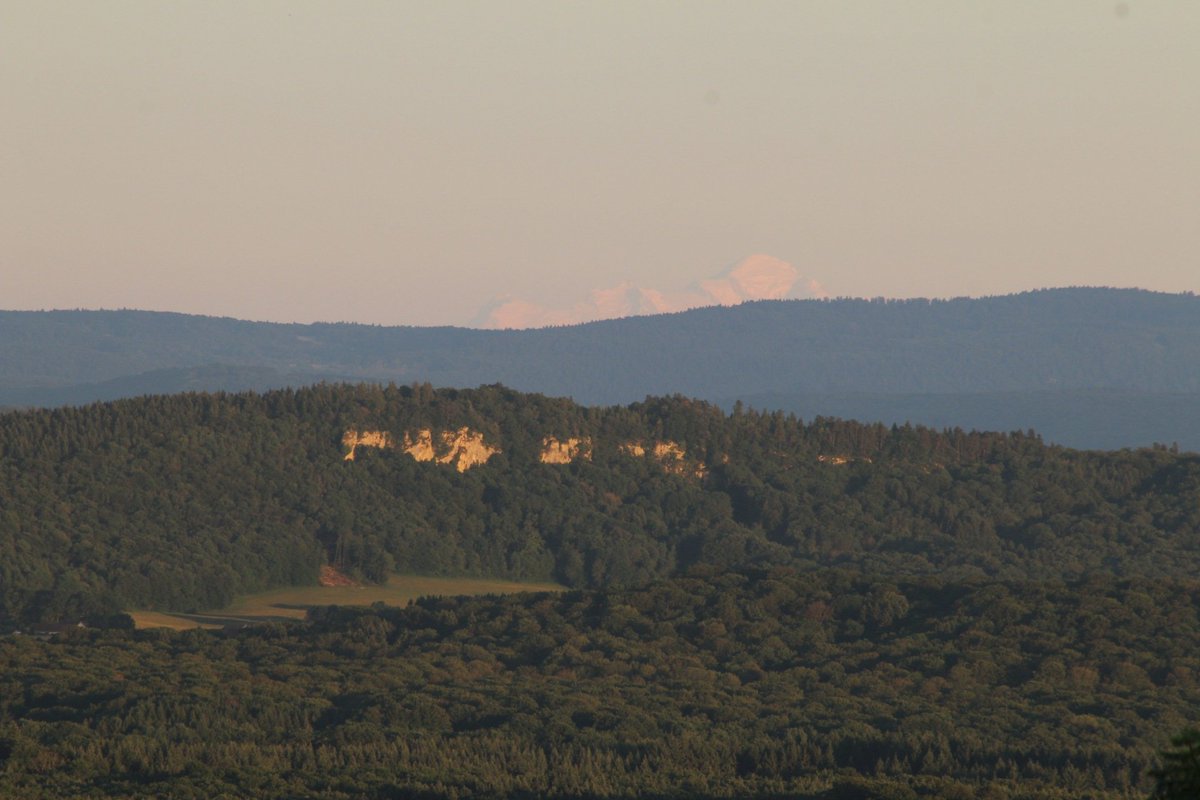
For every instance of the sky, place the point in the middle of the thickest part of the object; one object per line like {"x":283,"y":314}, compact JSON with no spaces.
{"x":414,"y":163}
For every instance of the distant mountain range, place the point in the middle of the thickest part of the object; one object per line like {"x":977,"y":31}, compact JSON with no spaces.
{"x":1087,"y":367}
{"x":757,"y":277}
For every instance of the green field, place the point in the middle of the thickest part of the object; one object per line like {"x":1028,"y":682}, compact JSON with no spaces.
{"x":293,"y":602}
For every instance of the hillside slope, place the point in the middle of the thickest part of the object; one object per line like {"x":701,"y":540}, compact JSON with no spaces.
{"x":921,"y":357}
{"x":184,"y":501}
{"x":1096,"y":419}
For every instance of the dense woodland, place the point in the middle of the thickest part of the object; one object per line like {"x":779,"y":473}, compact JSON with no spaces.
{"x":820,"y":609}
{"x":760,"y":683}
{"x":181,"y":502}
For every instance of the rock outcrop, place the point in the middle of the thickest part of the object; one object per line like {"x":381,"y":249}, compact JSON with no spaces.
{"x":670,"y":455}
{"x":464,"y":448}
{"x":635,"y":449}
{"x":564,"y":451}
{"x":353,"y":440}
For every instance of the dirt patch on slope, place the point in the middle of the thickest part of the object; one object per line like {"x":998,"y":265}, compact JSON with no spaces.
{"x":332,"y":576}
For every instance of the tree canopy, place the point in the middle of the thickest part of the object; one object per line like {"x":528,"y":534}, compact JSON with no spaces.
{"x":181,"y":502}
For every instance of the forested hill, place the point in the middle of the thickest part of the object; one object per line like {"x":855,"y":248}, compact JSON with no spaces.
{"x":1035,"y":343}
{"x":183,"y":501}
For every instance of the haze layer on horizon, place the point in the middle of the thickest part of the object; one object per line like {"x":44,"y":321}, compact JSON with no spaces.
{"x":405,"y":163}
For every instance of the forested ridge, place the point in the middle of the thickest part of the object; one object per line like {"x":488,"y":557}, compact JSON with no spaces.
{"x":763,"y":606}
{"x":970,"y":362}
{"x":1075,"y":338}
{"x":180,"y":502}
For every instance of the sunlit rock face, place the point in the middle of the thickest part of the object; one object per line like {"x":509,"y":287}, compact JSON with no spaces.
{"x":564,"y":451}
{"x":463,"y":448}
{"x":354,"y":439}
{"x":759,"y":277}
{"x":670,"y":455}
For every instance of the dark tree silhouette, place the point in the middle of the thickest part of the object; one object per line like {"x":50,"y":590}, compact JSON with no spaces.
{"x":1179,"y":776}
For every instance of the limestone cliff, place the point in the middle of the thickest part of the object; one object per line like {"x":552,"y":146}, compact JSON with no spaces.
{"x":635,"y":449}
{"x":353,"y":439}
{"x":564,"y":451}
{"x":670,"y":455}
{"x":464,"y":448}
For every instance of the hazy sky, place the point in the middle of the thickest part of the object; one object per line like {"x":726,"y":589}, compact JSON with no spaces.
{"x":399,"y":163}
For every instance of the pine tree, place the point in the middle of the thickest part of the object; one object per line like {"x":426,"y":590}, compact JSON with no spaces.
{"x":1179,"y":776}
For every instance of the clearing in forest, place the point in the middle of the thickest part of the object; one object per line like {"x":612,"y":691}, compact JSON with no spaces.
{"x":292,"y":603}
